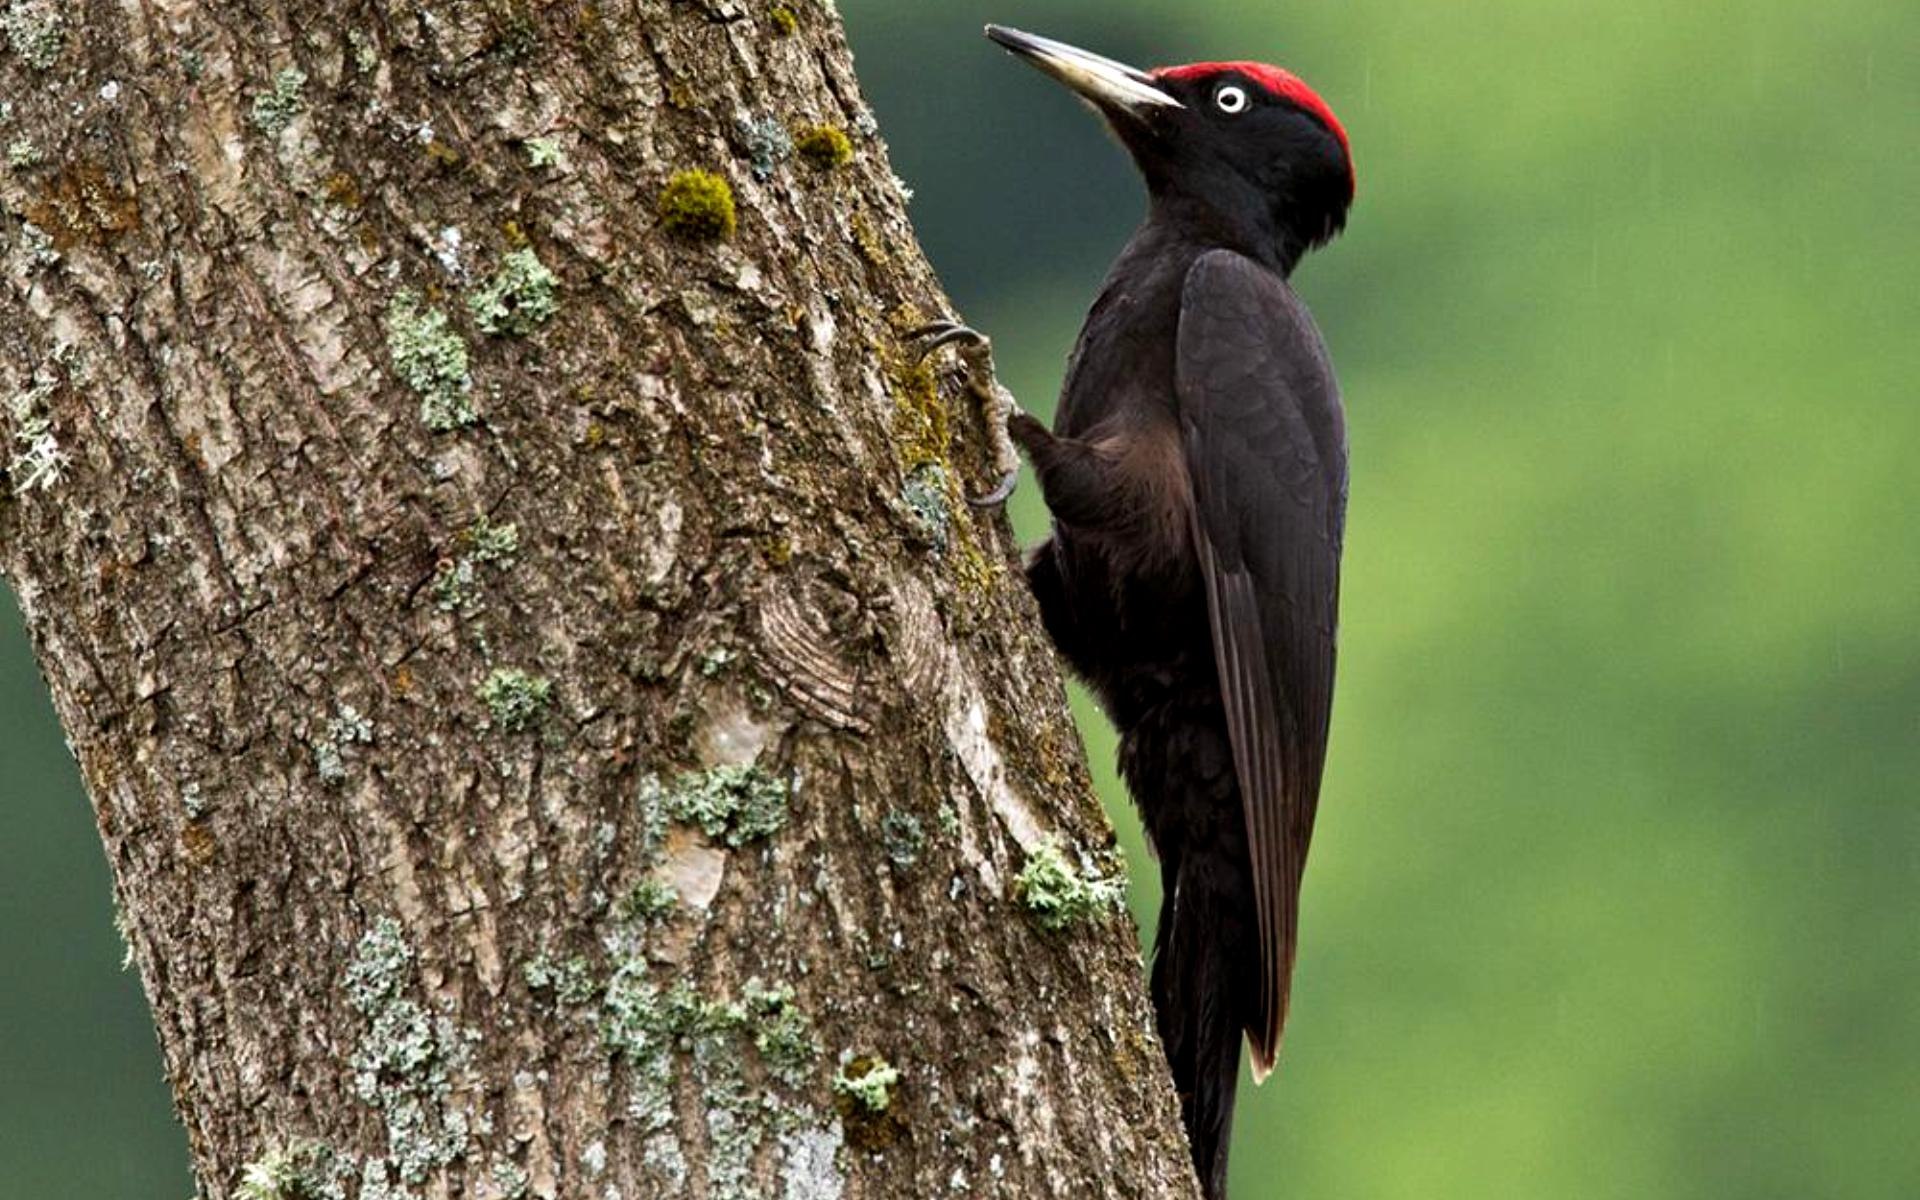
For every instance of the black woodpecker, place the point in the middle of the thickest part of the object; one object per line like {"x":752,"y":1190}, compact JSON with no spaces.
{"x":1197,"y":476}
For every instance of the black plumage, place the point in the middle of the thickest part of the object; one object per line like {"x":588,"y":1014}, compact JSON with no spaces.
{"x":1197,"y":475}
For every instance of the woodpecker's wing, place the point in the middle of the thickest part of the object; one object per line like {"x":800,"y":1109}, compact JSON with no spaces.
{"x":1266,"y":448}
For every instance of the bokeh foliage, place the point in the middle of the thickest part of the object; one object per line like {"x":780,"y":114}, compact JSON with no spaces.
{"x":1614,"y":891}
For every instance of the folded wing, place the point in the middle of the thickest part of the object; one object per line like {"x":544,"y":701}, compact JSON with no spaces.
{"x":1266,"y":449}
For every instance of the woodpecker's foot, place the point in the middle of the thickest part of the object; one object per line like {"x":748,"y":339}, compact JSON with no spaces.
{"x":976,"y":352}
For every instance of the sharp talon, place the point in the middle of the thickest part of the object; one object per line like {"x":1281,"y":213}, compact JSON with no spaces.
{"x":944,"y":333}
{"x":933,"y":327}
{"x":979,"y":363}
{"x":950,"y":337}
{"x":999,"y":495}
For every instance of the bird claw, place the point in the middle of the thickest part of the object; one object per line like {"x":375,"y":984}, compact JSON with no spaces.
{"x":1001,"y":492}
{"x":938,"y":334}
{"x":977,"y":354}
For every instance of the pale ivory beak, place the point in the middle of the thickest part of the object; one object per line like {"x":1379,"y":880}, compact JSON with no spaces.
{"x":1107,"y":84}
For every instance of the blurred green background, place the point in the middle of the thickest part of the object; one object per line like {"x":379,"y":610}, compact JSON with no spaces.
{"x":1614,"y":889}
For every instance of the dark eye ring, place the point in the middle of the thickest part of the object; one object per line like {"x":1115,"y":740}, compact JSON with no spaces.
{"x":1231,"y":99}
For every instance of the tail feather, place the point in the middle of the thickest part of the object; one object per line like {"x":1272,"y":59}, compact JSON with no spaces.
{"x":1207,"y":978}
{"x":1201,"y":980}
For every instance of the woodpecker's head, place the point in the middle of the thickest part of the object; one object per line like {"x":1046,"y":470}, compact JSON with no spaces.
{"x":1246,"y":151}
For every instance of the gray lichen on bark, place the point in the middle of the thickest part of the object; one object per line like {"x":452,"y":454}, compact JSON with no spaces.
{"x":435,"y":923}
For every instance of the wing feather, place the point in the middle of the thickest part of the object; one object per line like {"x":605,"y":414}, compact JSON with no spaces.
{"x":1266,"y":448}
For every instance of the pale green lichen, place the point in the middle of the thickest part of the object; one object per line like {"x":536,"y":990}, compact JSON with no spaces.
{"x":649,"y":900}
{"x":347,"y":728}
{"x":307,"y":1171}
{"x":404,"y":1063}
{"x":377,"y":1184}
{"x":22,"y":154}
{"x":544,"y":152}
{"x":124,"y":930}
{"x":275,"y":1175}
{"x":492,"y":543}
{"x":739,"y":1117}
{"x":925,"y":495}
{"x":39,"y":244}
{"x":38,"y":463}
{"x":1057,"y":894}
{"x":570,"y":980}
{"x":767,"y":141}
{"x":698,"y":205}
{"x":737,"y":804}
{"x":637,"y":1027}
{"x":651,"y":799}
{"x":37,"y":31}
{"x":456,"y":584}
{"x":645,"y":1028}
{"x":381,"y":960}
{"x":430,"y":358}
{"x":275,"y":109}
{"x":868,"y":1082}
{"x":903,"y":837}
{"x":366,"y":55}
{"x":510,"y":1181}
{"x":664,"y":1158}
{"x":786,"y":22}
{"x":781,"y":1032}
{"x":515,"y":699}
{"x":734,"y":1133}
{"x":809,"y":1168}
{"x":518,"y":299}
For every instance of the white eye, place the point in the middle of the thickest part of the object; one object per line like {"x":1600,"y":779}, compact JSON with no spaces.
{"x":1232,"y":100}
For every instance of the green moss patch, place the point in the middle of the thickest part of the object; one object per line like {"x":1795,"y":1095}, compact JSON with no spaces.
{"x":824,"y":146}
{"x":698,"y":206}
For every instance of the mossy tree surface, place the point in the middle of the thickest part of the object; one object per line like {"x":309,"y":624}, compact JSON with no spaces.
{"x":377,"y":805}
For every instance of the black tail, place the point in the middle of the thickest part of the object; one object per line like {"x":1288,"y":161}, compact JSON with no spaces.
{"x":1204,"y":971}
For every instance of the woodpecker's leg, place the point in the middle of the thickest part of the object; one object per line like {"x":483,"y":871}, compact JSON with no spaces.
{"x":1077,"y":477}
{"x":1004,"y":414}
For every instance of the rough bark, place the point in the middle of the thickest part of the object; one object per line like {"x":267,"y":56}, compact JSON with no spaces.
{"x":546,"y":773}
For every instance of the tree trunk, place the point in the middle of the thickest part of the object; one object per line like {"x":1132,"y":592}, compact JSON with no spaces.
{"x":555,"y":727}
